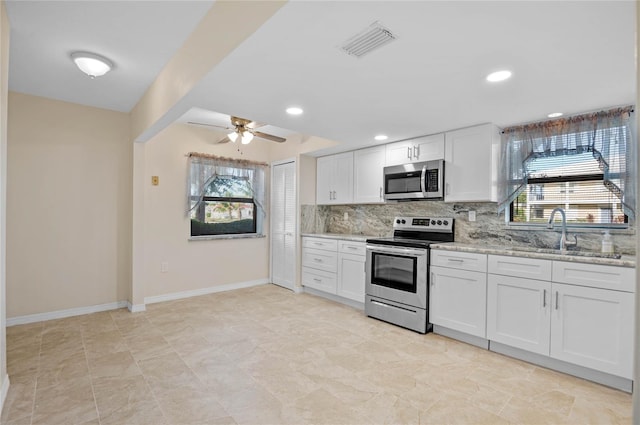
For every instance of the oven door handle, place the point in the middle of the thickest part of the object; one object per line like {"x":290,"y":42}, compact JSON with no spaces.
{"x":416,"y":252}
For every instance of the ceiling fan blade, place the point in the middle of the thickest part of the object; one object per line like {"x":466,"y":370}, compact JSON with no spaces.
{"x":269,"y":137}
{"x":254,"y":124}
{"x":209,"y":125}
{"x":224,"y":140}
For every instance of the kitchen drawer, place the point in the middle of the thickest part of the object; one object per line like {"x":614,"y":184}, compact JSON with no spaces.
{"x":320,"y":280}
{"x":320,"y":243}
{"x":350,"y":247}
{"x":531,"y":268}
{"x":319,"y":259}
{"x":459,"y":260}
{"x":595,"y":275}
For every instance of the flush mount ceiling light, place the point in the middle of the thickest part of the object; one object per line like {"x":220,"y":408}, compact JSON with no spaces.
{"x":555,"y":115}
{"x":494,"y":77}
{"x":294,"y":110}
{"x":381,"y":137}
{"x":91,"y":64}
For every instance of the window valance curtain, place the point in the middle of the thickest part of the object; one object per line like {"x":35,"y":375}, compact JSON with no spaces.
{"x":204,"y":169}
{"x":608,"y":135}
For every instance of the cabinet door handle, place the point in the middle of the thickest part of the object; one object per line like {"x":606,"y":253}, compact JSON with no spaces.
{"x":334,"y":195}
{"x":433,"y":279}
{"x":416,"y":152}
{"x":317,"y":260}
{"x":352,"y":247}
{"x":556,"y":300}
{"x":317,"y":280}
{"x":381,"y":192}
{"x":446,"y":191}
{"x":409,"y":152}
{"x":457,"y":260}
{"x":544,"y":298}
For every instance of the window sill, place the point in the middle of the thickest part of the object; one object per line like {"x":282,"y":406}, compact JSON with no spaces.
{"x":236,"y":236}
{"x":620,"y":229}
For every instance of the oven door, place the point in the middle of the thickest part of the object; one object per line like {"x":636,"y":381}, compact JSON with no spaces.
{"x":397,"y":274}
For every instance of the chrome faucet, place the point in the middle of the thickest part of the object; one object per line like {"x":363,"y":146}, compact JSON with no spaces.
{"x":563,"y":238}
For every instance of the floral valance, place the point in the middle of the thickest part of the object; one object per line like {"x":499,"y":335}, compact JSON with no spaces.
{"x":205,"y":168}
{"x":608,"y":135}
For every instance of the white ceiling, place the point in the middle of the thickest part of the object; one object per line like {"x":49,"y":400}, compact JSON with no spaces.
{"x":567,"y":56}
{"x":138,"y":36}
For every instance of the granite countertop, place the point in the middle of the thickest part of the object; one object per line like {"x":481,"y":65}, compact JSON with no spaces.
{"x":345,"y":237}
{"x":548,"y":254}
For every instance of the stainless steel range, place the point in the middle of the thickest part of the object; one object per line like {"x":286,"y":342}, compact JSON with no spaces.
{"x":397,"y":271}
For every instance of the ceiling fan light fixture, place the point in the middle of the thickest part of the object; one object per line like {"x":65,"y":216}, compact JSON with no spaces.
{"x":92,"y":64}
{"x":247,"y":137}
{"x":233,"y":136}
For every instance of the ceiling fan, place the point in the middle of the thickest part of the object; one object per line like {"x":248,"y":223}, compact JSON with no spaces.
{"x":244,"y":131}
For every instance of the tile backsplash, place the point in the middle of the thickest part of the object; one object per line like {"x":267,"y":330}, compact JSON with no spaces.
{"x":488,"y":229}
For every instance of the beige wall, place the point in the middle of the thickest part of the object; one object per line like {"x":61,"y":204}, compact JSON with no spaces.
{"x":200,"y":264}
{"x":69,"y":206}
{"x":4,"y":74}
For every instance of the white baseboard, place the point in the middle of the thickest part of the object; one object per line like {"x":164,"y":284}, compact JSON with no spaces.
{"x":204,"y":291}
{"x":60,"y":314}
{"x":135,"y":308}
{"x":5,"y":391}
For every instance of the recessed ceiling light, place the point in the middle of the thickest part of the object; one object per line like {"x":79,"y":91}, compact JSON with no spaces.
{"x":555,"y":115}
{"x":494,"y":77}
{"x":91,"y":64}
{"x":381,"y":137}
{"x":294,"y":110}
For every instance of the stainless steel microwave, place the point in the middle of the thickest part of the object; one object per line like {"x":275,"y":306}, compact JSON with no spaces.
{"x":418,"y":180}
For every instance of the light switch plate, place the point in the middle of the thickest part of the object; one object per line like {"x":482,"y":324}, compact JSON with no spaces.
{"x":472,"y":216}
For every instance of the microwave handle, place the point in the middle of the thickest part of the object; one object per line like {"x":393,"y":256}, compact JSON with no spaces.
{"x":423,"y":177}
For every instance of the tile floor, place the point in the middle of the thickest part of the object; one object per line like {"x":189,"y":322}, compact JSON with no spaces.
{"x":267,"y":356}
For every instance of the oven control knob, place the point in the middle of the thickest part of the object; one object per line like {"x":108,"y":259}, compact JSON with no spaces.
{"x":398,"y":221}
{"x":446,"y":223}
{"x":433,"y":222}
{"x":404,"y":221}
{"x":439,"y":222}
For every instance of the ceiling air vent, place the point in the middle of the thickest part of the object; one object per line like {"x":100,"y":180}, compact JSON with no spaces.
{"x":372,"y":37}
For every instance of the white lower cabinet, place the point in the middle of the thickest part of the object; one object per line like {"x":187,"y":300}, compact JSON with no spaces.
{"x":518,"y":312}
{"x":593,"y":327}
{"x":579,"y":324}
{"x":334,"y":266}
{"x":320,"y":280}
{"x":457,"y":297}
{"x":351,"y":277}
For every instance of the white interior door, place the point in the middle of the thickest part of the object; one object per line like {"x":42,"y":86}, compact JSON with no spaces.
{"x":283,"y":224}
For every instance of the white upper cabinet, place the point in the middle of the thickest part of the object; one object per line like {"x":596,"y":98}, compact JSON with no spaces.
{"x":334,"y":179}
{"x":471,"y":164}
{"x":368,"y":166}
{"x":425,"y":148}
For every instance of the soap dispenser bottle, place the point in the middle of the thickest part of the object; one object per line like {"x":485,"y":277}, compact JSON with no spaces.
{"x":607,"y":243}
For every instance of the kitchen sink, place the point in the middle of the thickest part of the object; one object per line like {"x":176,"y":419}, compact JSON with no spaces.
{"x":576,"y":253}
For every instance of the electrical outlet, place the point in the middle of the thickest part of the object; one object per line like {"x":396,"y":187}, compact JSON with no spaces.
{"x":346,"y":216}
{"x":155,"y":180}
{"x":472,"y":216}
{"x":164,"y":267}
